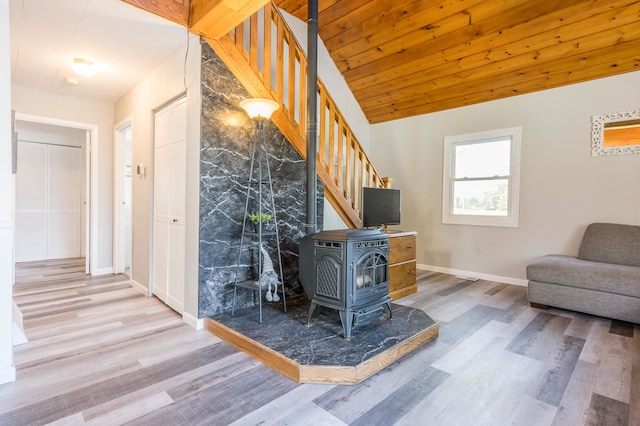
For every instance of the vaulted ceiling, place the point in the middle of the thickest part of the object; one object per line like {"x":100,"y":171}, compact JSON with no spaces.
{"x":403,"y":58}
{"x":410,"y":57}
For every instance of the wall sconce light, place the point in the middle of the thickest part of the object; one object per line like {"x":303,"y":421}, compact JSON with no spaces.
{"x":259,"y":109}
{"x":83,"y":67}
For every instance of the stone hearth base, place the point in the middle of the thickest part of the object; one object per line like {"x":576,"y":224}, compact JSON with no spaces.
{"x":319,"y":354}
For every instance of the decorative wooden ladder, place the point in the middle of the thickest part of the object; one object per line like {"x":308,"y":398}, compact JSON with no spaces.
{"x":267,"y":59}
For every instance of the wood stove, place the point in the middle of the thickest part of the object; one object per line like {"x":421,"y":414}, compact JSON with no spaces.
{"x":346,"y":270}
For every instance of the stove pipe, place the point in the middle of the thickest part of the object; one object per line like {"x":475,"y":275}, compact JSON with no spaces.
{"x":312,"y":115}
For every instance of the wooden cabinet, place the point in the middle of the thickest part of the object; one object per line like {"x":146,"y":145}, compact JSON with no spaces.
{"x":402,"y":264}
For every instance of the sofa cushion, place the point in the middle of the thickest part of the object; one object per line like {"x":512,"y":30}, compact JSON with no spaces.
{"x":573,"y":272}
{"x":611,"y":243}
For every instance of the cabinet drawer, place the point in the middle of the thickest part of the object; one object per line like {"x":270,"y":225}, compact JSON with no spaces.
{"x":402,"y":276}
{"x":402,"y":249}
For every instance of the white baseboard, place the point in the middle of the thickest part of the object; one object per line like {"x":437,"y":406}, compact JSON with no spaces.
{"x":7,"y":375}
{"x":478,"y":275}
{"x":142,"y":289}
{"x":103,"y":271}
{"x":197,"y":323}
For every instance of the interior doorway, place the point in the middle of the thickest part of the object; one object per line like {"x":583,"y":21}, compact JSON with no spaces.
{"x":123,"y":235}
{"x":44,"y":130}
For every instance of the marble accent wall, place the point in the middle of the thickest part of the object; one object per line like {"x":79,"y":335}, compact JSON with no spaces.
{"x":225,"y":155}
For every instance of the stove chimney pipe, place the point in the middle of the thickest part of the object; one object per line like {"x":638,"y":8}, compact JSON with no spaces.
{"x":312,"y":114}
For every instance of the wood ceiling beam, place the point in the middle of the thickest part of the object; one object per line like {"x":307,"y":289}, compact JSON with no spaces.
{"x":174,"y":10}
{"x":209,"y":18}
{"x":216,"y":18}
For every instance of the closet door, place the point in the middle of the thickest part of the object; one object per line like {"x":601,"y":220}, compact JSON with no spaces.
{"x":169,"y":204}
{"x":64,"y":202}
{"x":48,"y":202}
{"x":32,"y":182}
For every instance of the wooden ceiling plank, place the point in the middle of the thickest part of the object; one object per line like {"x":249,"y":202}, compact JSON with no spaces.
{"x":216,"y":18}
{"x":493,"y":28}
{"x":340,"y":16}
{"x":514,"y":80}
{"x":457,"y":58}
{"x":477,"y":65}
{"x":299,"y":9}
{"x":513,"y":74}
{"x":449,"y":35}
{"x":324,"y":5}
{"x":339,"y":29}
{"x":453,"y":30}
{"x":294,"y":7}
{"x":496,"y":93}
{"x":614,"y":61}
{"x":174,"y":10}
{"x":381,"y":35}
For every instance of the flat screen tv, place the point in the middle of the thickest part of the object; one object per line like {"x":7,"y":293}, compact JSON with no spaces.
{"x":380,"y":207}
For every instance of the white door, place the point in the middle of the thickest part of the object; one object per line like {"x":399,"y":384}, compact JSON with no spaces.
{"x":32,"y":181}
{"x":48,"y":205}
{"x":64,"y":202}
{"x":169,"y":204}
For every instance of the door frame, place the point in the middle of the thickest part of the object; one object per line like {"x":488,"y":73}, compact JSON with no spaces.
{"x":119,"y":242}
{"x":91,"y":182}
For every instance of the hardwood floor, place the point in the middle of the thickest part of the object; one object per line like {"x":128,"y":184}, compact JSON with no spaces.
{"x":99,"y":352}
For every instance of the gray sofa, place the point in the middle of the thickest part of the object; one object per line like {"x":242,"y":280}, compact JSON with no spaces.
{"x":603,"y":280}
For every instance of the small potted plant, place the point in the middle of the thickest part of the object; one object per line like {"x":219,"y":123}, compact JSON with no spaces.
{"x":259,"y":218}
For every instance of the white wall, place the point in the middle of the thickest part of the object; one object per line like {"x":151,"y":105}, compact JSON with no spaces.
{"x":7,"y":369}
{"x":562,"y":189}
{"x":34,"y":102}
{"x":164,"y":84}
{"x":46,"y":133}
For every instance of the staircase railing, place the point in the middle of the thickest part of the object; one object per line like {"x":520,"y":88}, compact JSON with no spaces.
{"x":265,"y":56}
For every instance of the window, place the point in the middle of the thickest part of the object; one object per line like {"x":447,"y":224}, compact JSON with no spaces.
{"x":481,"y":178}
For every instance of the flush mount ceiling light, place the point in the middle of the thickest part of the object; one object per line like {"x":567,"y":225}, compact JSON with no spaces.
{"x":83,"y":66}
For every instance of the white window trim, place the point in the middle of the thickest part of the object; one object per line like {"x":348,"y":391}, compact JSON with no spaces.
{"x":511,"y":220}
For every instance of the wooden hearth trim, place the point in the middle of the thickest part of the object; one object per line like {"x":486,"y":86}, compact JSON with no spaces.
{"x":320,"y":374}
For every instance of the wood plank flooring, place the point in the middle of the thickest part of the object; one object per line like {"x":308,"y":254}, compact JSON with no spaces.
{"x":99,"y":352}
